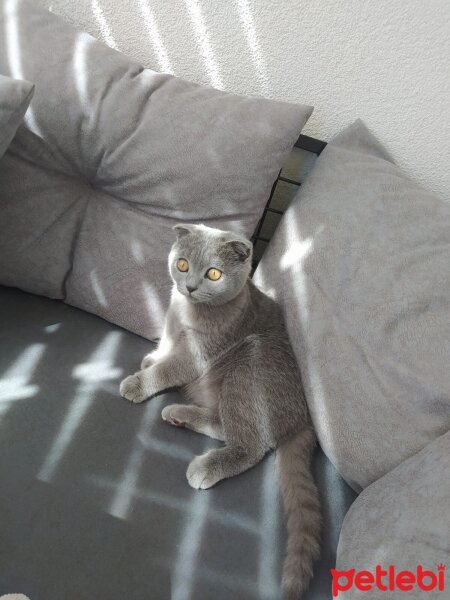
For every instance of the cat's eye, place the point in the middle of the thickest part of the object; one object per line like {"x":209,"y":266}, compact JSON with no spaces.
{"x":214,"y":274}
{"x":182,"y":265}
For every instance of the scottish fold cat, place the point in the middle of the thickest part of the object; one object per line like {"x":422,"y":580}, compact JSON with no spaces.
{"x":226,"y":347}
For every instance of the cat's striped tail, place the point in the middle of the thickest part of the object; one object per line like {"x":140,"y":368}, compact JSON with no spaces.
{"x":301,"y":503}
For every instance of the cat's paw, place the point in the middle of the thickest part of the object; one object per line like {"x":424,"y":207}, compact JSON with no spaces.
{"x":173,"y":414}
{"x":132,"y":389}
{"x":200,"y":475}
{"x":147,"y":361}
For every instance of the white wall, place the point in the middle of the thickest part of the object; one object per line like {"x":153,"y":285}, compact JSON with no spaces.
{"x":386,"y":61}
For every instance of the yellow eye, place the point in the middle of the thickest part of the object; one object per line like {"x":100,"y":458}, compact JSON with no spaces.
{"x":182,"y":265}
{"x":214,"y":274}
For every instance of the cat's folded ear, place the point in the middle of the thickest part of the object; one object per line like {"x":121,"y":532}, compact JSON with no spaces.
{"x":183,"y":229}
{"x":240,"y":250}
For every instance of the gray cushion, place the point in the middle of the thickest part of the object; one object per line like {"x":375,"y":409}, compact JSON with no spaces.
{"x":361,"y":264}
{"x":95,"y":502}
{"x":15,"y":96}
{"x":403,"y":519}
{"x":112,"y":156}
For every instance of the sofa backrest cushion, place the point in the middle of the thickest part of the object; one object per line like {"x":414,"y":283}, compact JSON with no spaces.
{"x":15,"y":96}
{"x":111,"y":156}
{"x":361,"y":265}
{"x":401,"y":520}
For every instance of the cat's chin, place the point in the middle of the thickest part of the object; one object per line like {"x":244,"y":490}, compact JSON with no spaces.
{"x":196,"y":301}
{"x":190,"y":298}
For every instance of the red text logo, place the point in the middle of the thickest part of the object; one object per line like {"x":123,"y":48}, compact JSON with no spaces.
{"x":388,"y":580}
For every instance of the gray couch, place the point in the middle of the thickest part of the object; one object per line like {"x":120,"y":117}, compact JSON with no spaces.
{"x":95,"y":503}
{"x":109,"y":157}
{"x":94,"y":499}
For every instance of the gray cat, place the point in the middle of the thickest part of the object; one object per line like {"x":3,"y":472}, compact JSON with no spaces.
{"x":225,"y":344}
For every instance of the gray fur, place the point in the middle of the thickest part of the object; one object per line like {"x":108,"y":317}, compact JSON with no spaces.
{"x":225,"y":345}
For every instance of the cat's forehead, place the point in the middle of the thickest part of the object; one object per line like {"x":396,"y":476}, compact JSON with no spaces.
{"x":200,"y":246}
{"x":202,"y":238}
{"x":205,"y":246}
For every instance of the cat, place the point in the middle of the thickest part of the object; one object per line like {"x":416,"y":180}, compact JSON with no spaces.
{"x":225,"y":345}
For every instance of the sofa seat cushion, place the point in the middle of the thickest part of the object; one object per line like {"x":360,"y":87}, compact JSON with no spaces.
{"x":95,"y":486}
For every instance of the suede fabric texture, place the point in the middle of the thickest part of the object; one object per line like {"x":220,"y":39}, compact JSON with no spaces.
{"x":403,"y":519}
{"x":361,"y":265}
{"x":15,"y":96}
{"x":111,"y":157}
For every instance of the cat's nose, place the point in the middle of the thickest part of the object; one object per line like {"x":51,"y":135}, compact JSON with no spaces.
{"x":191,"y":288}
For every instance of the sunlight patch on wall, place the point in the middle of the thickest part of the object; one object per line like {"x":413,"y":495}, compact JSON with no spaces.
{"x":203,"y":42}
{"x":150,"y":24}
{"x":248,"y":25}
{"x":103,"y":24}
{"x":98,"y":369}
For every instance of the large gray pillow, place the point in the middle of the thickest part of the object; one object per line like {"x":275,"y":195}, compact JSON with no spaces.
{"x":111,"y":157}
{"x":403,"y":519}
{"x":15,"y":96}
{"x":361,"y":264}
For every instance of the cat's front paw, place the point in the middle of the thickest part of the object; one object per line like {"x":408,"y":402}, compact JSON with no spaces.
{"x":200,"y":475}
{"x":173,"y":414}
{"x":132,"y":389}
{"x":147,"y":361}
